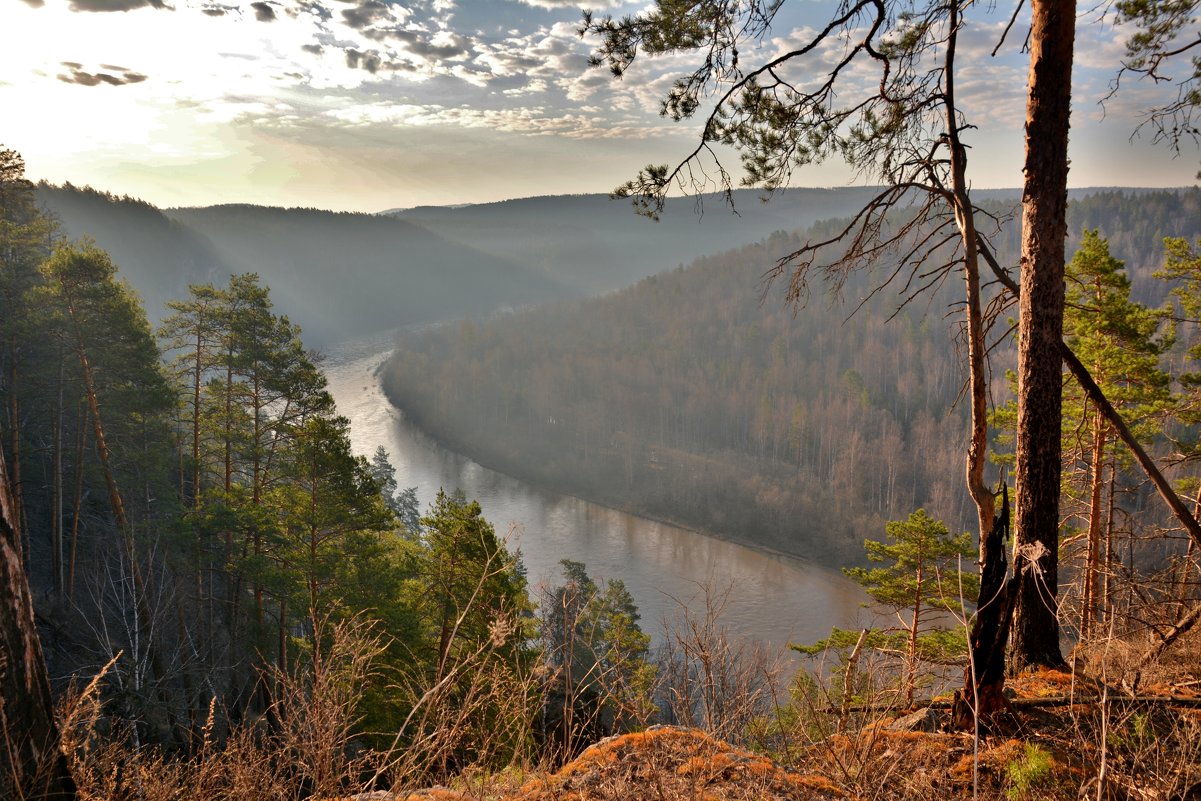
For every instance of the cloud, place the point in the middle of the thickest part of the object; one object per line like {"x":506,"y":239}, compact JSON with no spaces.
{"x":35,"y":3}
{"x":368,"y":14}
{"x":548,"y":53}
{"x":77,"y":75}
{"x":581,"y":87}
{"x":373,"y":61}
{"x":529,"y":120}
{"x":558,"y":5}
{"x":213,"y":11}
{"x":533,"y":87}
{"x":116,"y":5}
{"x":263,"y":12}
{"x":443,"y":46}
{"x":312,"y":8}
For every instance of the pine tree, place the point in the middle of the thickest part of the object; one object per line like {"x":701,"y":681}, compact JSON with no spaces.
{"x":327,"y":517}
{"x":472,"y":582}
{"x":193,"y":330}
{"x":921,"y":575}
{"x":600,"y":657}
{"x":25,"y":236}
{"x":403,"y":503}
{"x":1122,"y":343}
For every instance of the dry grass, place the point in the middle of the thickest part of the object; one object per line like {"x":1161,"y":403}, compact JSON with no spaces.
{"x":1098,"y":744}
{"x":667,"y":763}
{"x":299,"y":749}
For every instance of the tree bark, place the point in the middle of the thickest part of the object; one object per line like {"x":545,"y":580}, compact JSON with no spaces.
{"x":1040,"y":327}
{"x":977,"y":451}
{"x":57,"y":480}
{"x":1093,"y":392}
{"x":982,"y":696}
{"x":1092,"y":570}
{"x":32,"y":765}
{"x":14,"y":427}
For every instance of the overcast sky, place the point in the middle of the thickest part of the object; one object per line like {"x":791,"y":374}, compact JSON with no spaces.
{"x":372,"y":104}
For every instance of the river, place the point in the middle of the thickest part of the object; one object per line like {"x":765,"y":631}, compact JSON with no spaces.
{"x":773,"y":598}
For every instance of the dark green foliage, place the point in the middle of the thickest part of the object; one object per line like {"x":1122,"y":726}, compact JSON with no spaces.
{"x":471,"y":582}
{"x":203,"y":558}
{"x":922,"y":560}
{"x":403,"y":503}
{"x":1124,"y":344}
{"x":599,"y":657}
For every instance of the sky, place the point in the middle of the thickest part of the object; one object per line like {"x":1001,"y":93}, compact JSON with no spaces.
{"x":366,"y":105}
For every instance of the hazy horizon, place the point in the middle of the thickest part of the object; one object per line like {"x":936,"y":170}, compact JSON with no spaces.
{"x":369,"y":105}
{"x":517,"y":199}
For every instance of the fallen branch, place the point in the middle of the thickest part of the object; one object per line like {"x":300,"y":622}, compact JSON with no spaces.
{"x":1187,"y":701}
{"x":1165,"y":639}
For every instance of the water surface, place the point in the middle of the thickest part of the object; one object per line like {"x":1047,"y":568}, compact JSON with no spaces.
{"x":774,"y":598}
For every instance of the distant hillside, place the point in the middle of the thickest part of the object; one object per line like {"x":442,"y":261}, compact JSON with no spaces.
{"x":596,"y":244}
{"x":337,"y":275}
{"x":685,"y":397}
{"x":342,"y":275}
{"x":156,"y":254}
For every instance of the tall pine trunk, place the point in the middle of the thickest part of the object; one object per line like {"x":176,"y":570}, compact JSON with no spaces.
{"x":32,"y":765}
{"x":14,"y":429}
{"x":1040,"y":401}
{"x":1092,"y":567}
{"x":57,"y":483}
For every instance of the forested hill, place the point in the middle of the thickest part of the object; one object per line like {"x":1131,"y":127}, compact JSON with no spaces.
{"x":684,"y":397}
{"x":597,"y":244}
{"x":156,"y":254}
{"x":338,"y":275}
{"x":341,"y":275}
{"x":348,"y":274}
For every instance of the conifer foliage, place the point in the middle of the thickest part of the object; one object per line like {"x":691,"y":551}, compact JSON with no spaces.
{"x":921,"y":574}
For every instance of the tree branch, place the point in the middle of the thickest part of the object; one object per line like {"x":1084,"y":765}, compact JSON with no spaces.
{"x":1097,"y":397}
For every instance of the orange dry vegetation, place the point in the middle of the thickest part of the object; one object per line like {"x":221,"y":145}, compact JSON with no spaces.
{"x":672,"y":763}
{"x":1048,"y":683}
{"x":429,"y":794}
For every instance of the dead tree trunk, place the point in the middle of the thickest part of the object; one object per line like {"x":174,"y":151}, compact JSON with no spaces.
{"x":982,"y":696}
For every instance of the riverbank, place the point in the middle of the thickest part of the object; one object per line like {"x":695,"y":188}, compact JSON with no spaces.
{"x":832,"y":555}
{"x":771,"y":597}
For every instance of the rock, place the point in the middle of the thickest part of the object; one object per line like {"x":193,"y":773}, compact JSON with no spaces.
{"x":922,"y":720}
